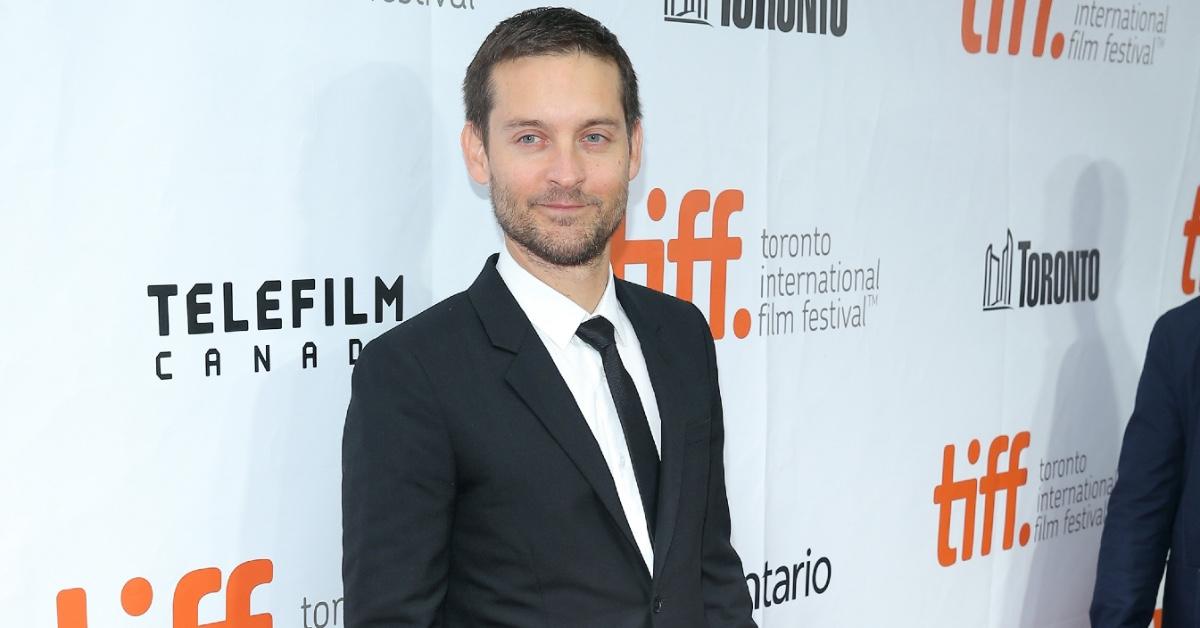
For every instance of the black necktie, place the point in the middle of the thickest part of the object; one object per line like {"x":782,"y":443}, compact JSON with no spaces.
{"x":598,"y":333}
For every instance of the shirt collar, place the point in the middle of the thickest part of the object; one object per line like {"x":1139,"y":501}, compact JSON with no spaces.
{"x":553,"y":314}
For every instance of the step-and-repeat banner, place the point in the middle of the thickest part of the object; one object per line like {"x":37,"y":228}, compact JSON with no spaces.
{"x":930,"y":237}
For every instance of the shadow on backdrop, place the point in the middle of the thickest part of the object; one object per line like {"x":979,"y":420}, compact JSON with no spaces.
{"x":1079,"y":412}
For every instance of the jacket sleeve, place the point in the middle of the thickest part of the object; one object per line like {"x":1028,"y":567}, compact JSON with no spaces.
{"x":397,"y":494}
{"x":1141,"y":510}
{"x":723,"y":582}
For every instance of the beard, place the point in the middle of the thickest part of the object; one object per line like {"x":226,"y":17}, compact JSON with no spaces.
{"x":586,"y":236}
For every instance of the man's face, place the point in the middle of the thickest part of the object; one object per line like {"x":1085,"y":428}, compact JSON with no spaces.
{"x":559,"y":157}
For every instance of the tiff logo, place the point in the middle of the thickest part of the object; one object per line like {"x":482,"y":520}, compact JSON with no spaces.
{"x":997,"y":277}
{"x":685,"y":250}
{"x":137,"y":595}
{"x":973,"y":41}
{"x":1191,"y":231}
{"x":966,"y":491}
{"x":687,"y":11}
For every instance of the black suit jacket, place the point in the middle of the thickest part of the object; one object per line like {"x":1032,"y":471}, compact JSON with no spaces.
{"x":474,"y":494}
{"x":1155,"y":505}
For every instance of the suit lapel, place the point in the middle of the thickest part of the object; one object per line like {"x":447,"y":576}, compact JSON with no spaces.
{"x":534,"y":377}
{"x":536,"y":380}
{"x":668,"y":391}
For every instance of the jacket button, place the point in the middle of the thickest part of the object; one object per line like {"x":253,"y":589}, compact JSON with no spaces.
{"x":658,"y":604}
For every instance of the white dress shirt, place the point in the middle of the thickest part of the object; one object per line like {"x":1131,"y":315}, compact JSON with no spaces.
{"x":555,"y":318}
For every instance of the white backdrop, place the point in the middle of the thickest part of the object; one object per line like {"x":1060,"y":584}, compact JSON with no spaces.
{"x":150,"y":147}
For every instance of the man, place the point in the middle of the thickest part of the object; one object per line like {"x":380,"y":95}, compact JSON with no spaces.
{"x":1155,"y":505}
{"x":545,"y":448}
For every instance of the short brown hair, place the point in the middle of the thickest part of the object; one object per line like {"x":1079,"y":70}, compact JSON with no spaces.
{"x":545,"y":31}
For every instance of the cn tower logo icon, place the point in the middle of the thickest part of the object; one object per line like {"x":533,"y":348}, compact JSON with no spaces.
{"x":997,"y":276}
{"x":686,"y":11}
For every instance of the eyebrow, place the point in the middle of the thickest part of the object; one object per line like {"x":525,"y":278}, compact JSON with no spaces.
{"x":538,"y":124}
{"x":601,"y":122}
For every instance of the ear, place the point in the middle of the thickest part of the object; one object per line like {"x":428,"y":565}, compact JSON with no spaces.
{"x":635,"y":150}
{"x":475,"y":154}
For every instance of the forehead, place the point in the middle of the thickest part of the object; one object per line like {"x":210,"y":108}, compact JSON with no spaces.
{"x":560,"y":87}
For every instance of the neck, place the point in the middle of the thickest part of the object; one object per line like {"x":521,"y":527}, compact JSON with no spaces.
{"x":583,"y":284}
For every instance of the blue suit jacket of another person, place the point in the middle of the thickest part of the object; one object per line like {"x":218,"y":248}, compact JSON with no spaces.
{"x":1155,"y":506}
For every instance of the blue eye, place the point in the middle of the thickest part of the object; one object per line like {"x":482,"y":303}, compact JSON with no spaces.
{"x":594,"y":138}
{"x":528,"y":138}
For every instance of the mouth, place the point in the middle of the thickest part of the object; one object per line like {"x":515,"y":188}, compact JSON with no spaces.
{"x":563,"y":206}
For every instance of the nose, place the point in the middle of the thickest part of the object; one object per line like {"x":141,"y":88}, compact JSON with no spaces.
{"x":567,"y":167}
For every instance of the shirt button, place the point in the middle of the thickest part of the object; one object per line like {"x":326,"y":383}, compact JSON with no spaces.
{"x":658,"y":604}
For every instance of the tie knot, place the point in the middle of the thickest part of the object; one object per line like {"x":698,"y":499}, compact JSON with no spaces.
{"x":597,"y":332}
